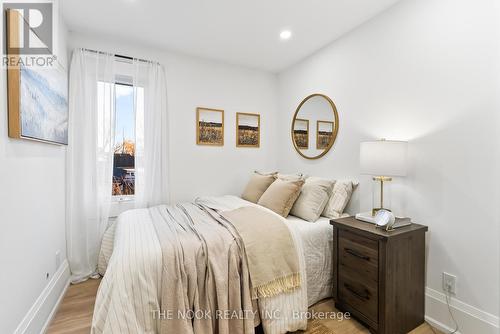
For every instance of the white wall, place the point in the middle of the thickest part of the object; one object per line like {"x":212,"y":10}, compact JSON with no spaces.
{"x":424,"y":71}
{"x":193,"y":82}
{"x":32,"y":194}
{"x":32,"y":216}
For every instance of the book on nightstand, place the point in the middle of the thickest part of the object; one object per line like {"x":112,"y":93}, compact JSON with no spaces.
{"x":368,"y":218}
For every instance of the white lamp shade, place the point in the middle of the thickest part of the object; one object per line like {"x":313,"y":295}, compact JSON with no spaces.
{"x":383,"y":158}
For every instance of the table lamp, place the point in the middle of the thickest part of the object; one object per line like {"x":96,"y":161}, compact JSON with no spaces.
{"x":383,"y":159}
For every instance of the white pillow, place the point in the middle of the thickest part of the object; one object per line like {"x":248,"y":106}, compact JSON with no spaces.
{"x":313,"y":198}
{"x":342,"y":192}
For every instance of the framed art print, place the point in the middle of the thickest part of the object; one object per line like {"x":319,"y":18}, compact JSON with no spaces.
{"x":324,"y":134}
{"x":37,"y":95}
{"x":301,"y":133}
{"x":247,"y":130}
{"x":209,"y":127}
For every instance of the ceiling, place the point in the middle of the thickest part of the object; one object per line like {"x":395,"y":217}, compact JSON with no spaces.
{"x":233,"y":31}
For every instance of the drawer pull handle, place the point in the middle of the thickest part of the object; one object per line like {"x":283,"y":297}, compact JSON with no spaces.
{"x":356,"y":254}
{"x":357,"y":294}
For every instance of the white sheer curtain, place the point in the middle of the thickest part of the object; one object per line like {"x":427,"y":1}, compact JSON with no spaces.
{"x":151,"y":153}
{"x":89,"y":158}
{"x":91,"y":142}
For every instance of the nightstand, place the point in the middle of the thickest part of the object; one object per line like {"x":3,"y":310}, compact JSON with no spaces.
{"x":379,"y":276}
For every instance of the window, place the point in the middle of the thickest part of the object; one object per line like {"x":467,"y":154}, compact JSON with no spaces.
{"x":128,"y":104}
{"x":124,"y":143}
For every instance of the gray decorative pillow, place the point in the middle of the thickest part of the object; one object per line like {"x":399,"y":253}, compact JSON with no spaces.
{"x":313,"y":198}
{"x":342,"y":192}
{"x":281,"y":195}
{"x":257,"y":185}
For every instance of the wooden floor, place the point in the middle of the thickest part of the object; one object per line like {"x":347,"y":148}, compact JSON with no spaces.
{"x":75,"y":312}
{"x":75,"y":315}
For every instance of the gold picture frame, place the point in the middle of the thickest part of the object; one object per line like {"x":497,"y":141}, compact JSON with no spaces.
{"x":31,"y":115}
{"x":301,"y":134}
{"x":209,"y":126}
{"x":247,"y":130}
{"x":324,"y":137}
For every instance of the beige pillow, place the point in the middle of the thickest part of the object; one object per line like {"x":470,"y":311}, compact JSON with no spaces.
{"x":341,"y":194}
{"x":257,"y":185}
{"x":281,"y":195}
{"x":313,"y":198}
{"x":292,"y":177}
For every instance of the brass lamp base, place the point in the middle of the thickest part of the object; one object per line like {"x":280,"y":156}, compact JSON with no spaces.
{"x":382,"y":179}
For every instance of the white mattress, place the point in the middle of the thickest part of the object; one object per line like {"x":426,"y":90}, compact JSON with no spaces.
{"x":317,"y":241}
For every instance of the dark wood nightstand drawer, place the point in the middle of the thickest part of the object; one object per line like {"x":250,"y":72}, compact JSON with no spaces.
{"x":359,"y":254}
{"x":376,"y":272}
{"x":360,"y":296}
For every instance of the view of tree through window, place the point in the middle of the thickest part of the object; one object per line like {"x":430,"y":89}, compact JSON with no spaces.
{"x":124,"y":147}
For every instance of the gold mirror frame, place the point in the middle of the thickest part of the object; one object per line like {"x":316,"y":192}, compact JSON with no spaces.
{"x":335,"y":130}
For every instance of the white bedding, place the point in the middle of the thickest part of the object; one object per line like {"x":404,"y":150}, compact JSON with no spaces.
{"x":317,"y":241}
{"x":130,"y":285}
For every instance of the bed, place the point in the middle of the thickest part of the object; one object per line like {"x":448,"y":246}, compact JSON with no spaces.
{"x":129,"y":298}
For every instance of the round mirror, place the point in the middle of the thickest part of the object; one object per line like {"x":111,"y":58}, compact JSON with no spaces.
{"x":315,"y":126}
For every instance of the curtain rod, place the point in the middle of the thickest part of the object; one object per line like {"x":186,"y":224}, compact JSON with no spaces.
{"x":122,"y":56}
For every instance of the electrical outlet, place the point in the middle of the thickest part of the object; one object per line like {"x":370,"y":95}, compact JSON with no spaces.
{"x":58,"y":259}
{"x":450,"y":283}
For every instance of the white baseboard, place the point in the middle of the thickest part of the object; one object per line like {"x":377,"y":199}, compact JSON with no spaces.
{"x":39,"y":316}
{"x":470,"y":319}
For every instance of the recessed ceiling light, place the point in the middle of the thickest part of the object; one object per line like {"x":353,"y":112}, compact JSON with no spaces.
{"x":285,"y":34}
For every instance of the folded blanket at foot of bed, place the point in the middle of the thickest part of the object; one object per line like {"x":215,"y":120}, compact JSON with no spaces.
{"x":272,"y":257}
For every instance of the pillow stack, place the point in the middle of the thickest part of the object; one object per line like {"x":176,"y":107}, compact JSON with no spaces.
{"x":275,"y":192}
{"x":292,"y":177}
{"x":304,"y":197}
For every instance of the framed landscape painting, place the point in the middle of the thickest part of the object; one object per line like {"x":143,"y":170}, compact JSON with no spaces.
{"x":42,"y":111}
{"x":209,"y":127}
{"x":301,"y":133}
{"x":247,"y":130}
{"x":324,"y":134}
{"x":37,"y":97}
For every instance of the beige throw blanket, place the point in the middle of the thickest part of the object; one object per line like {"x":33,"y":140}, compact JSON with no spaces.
{"x":204,"y":273}
{"x":271,"y":255}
